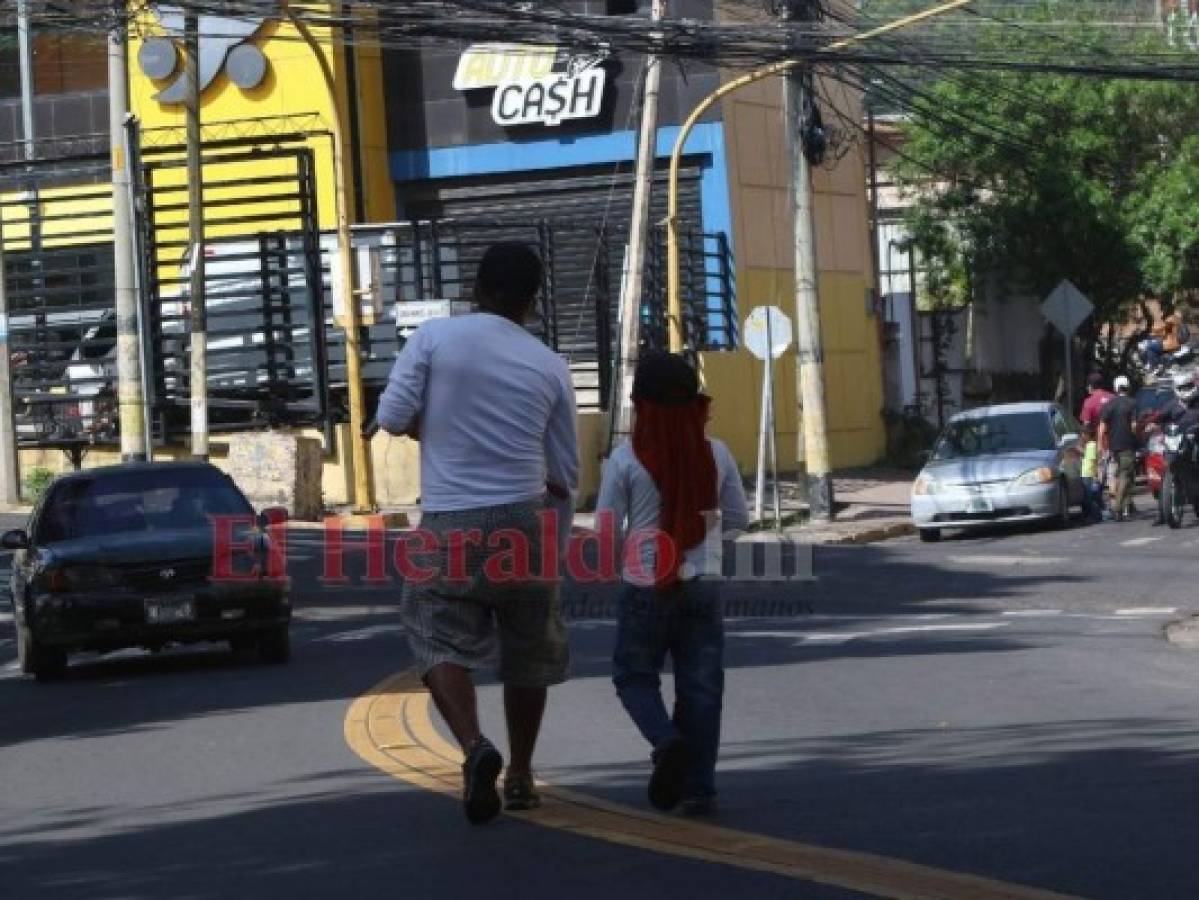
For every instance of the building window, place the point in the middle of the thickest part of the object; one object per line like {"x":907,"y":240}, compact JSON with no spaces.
{"x":622,"y":7}
{"x":10,"y":72}
{"x":66,"y":62}
{"x":63,"y":63}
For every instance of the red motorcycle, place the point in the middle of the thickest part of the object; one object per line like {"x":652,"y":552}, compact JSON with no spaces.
{"x":1155,"y":462}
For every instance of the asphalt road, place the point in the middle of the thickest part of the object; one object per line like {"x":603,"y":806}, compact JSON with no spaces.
{"x":1002,"y":705}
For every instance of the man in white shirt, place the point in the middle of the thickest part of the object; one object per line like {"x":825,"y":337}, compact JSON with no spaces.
{"x":494,"y":410}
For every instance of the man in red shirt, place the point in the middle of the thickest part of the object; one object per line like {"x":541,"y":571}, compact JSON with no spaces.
{"x":1097,"y":398}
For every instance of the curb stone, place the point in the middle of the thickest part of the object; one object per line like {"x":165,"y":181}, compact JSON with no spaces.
{"x":1184,"y":633}
{"x":875,"y":535}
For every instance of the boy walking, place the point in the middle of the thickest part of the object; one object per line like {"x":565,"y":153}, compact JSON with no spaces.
{"x":671,"y":493}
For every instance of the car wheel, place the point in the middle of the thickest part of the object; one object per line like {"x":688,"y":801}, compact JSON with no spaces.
{"x":274,"y":646}
{"x":1061,"y":518}
{"x":930,"y":535}
{"x":46,"y":663}
{"x":243,"y":644}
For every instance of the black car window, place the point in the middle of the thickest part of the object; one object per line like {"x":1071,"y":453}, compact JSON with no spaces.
{"x":137,"y":501}
{"x":1002,"y":433}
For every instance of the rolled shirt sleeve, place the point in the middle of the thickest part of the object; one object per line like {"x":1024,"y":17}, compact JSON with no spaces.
{"x":561,"y":439}
{"x":404,"y":397}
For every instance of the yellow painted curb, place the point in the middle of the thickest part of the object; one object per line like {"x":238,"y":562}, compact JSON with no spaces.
{"x":390,"y":727}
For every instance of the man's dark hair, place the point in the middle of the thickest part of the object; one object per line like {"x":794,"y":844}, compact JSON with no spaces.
{"x":1167,"y":307}
{"x":1095,"y":381}
{"x":665,"y":378}
{"x":508,"y":278}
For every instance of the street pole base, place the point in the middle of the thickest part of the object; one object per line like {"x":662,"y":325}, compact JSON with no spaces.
{"x":820,"y":497}
{"x":360,"y":520}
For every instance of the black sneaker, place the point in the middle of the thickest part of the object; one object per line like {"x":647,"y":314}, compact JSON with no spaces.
{"x":670,"y":773}
{"x":698,"y":806}
{"x":479,"y":774}
{"x":520,"y":793}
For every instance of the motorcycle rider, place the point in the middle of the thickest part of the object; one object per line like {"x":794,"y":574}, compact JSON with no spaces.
{"x":1184,"y":411}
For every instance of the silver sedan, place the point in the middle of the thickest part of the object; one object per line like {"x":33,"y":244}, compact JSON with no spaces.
{"x":1012,"y":463}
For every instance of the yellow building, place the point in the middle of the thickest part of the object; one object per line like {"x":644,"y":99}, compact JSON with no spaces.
{"x":450,"y":133}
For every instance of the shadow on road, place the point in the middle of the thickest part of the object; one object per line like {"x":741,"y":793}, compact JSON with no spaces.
{"x":348,"y":637}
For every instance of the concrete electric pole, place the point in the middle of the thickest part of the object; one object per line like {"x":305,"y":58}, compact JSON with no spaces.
{"x":814,"y":450}
{"x":130,"y":397}
{"x":195,"y":240}
{"x":633,"y":286}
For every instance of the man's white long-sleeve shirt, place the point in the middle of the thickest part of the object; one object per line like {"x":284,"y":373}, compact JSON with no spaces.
{"x":496,"y":409}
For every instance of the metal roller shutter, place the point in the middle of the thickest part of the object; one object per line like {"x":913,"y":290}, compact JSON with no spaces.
{"x":577,"y":203}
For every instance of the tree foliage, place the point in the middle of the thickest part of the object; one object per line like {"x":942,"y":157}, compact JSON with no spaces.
{"x":1035,"y":178}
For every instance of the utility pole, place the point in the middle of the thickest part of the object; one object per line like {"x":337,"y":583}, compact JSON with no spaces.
{"x":633,"y":286}
{"x":25,"y":61}
{"x":10,"y":483}
{"x":195,"y":240}
{"x":130,"y":396}
{"x":813,"y":410}
{"x":364,"y":486}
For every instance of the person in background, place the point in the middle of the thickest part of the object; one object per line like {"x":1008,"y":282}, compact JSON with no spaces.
{"x":1092,"y":498}
{"x":1117,"y":437}
{"x":672,"y":492}
{"x":1097,"y":398}
{"x":1166,"y":338}
{"x":494,"y":411}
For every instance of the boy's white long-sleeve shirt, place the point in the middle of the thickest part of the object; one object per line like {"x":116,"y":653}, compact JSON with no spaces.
{"x":628,"y":494}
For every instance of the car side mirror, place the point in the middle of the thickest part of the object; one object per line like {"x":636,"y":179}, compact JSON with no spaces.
{"x":272,"y":515}
{"x":16,"y":539}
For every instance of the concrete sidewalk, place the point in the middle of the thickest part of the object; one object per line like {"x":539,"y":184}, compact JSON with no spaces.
{"x":871,"y":505}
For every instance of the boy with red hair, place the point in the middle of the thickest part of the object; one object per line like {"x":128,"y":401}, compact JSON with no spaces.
{"x":672,"y":492}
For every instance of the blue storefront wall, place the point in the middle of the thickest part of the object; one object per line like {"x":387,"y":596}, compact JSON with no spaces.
{"x":705,"y":146}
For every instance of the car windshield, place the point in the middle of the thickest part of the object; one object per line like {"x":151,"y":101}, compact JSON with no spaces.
{"x":1002,"y":433}
{"x":137,"y":501}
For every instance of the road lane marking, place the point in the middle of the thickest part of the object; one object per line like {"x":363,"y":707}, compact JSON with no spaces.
{"x":1148,"y":611}
{"x":1141,"y":542}
{"x":1009,"y":560}
{"x":391,"y":728}
{"x":1031,"y":613}
{"x":842,"y":637}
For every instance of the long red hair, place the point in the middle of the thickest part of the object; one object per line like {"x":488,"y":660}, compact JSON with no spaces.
{"x":669,"y":441}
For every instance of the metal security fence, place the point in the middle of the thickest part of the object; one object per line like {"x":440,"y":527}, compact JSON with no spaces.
{"x":275,"y":354}
{"x":264,"y":277}
{"x":56,"y":237}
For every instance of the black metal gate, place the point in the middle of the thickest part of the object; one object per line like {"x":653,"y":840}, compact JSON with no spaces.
{"x":264,"y":285}
{"x":56,"y":238}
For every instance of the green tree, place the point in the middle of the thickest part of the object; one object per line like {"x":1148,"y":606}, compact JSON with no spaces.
{"x":1035,"y":177}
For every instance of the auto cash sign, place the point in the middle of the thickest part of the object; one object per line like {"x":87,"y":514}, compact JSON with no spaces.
{"x":534,"y":84}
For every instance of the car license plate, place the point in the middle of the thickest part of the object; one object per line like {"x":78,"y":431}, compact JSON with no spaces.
{"x":978,"y":505}
{"x":169,"y":612}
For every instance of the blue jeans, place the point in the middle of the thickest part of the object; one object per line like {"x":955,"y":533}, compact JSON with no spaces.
{"x":1092,"y":499}
{"x":687,"y":624}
